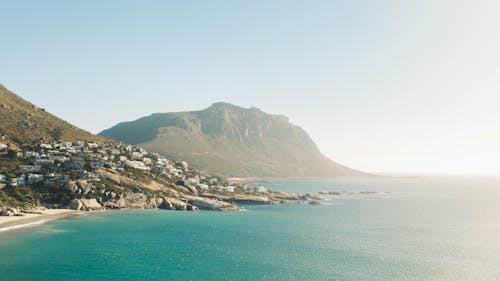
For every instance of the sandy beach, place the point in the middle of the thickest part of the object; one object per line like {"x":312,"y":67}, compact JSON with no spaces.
{"x":16,"y":222}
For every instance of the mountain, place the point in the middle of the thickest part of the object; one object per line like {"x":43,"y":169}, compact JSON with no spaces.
{"x":232,"y":141}
{"x":88,"y":172}
{"x":23,"y":122}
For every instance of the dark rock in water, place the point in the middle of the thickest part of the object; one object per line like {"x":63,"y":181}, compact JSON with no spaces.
{"x":314,"y":202}
{"x":315,"y":197}
{"x":330,"y":192}
{"x":193,"y":208}
{"x":367,"y":192}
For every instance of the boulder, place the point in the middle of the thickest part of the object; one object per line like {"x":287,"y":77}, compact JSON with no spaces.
{"x":111,"y":205}
{"x":192,"y":189}
{"x":250,"y":200}
{"x":72,"y":186}
{"x":173,"y":204}
{"x":178,"y":204}
{"x":159,"y":201}
{"x":121,"y":203}
{"x":315,"y":197}
{"x":314,"y":202}
{"x":211,"y":204}
{"x":165,"y":204}
{"x":85,"y":205}
{"x":76,"y":204}
{"x":91,"y":204}
{"x":85,"y":186}
{"x":10,"y":212}
{"x":193,"y":208}
{"x":136,"y":200}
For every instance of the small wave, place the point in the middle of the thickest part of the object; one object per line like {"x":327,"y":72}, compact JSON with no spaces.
{"x":3,"y":229}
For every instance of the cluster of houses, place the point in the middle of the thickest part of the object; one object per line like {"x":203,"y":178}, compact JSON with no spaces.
{"x":56,"y":164}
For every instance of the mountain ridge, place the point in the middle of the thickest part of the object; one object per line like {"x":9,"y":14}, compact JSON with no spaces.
{"x":232,"y":141}
{"x":24,"y":122}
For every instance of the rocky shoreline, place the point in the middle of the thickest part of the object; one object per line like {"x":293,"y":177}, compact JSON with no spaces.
{"x":89,"y":176}
{"x":188,"y":202}
{"x":12,"y":218}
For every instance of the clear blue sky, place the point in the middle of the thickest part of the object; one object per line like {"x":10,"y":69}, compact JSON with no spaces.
{"x":396,"y":86}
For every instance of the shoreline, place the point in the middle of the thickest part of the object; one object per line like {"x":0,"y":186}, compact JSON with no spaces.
{"x":11,"y":223}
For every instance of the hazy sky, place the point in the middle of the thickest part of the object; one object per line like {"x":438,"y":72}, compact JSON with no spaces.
{"x":394,"y":86}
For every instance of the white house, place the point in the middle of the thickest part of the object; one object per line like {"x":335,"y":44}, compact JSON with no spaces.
{"x":93,"y":145}
{"x":64,"y":145}
{"x":261,"y":189}
{"x":46,"y":146}
{"x":137,"y":155}
{"x":137,"y":165}
{"x":228,"y":188}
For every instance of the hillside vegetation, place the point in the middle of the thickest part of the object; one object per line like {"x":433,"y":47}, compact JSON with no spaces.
{"x":23,"y":122}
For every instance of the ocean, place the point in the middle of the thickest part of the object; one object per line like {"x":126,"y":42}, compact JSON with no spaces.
{"x":429,"y":228}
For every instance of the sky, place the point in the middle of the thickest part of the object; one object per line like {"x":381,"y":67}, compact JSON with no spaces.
{"x":382,"y":86}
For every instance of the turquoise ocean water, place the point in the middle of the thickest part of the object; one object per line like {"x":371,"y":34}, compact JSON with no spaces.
{"x":421,"y":229}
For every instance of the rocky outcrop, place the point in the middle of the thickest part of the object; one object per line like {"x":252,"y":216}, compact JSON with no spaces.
{"x":315,"y":197}
{"x":314,"y":202}
{"x":250,"y":200}
{"x":126,"y":181}
{"x":288,"y":196}
{"x":85,"y":205}
{"x":211,"y":204}
{"x":80,"y":187}
{"x":129,"y":200}
{"x":172,"y":204}
{"x":10,"y":212}
{"x":112,"y":205}
{"x":135,"y":200}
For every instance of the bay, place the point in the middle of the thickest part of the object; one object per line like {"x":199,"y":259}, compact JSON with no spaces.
{"x":428,"y":228}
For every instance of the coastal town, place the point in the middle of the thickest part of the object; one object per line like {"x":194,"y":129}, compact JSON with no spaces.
{"x":58,"y":163}
{"x":111,"y":175}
